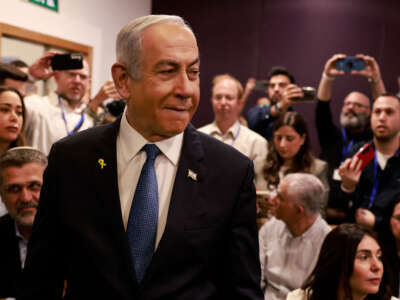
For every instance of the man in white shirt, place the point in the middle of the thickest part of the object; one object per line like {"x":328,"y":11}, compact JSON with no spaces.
{"x":227,"y":104}
{"x":290,"y":241}
{"x":62,"y":112}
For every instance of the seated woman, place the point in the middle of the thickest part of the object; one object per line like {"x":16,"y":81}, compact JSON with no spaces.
{"x":350,"y":266}
{"x":390,"y":240}
{"x":289,"y":152}
{"x":12,"y":116}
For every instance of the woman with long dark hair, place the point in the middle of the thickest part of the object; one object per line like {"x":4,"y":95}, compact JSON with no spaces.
{"x":290,"y":152}
{"x":12,"y":120}
{"x":350,"y":266}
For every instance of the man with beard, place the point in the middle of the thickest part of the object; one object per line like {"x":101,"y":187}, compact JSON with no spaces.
{"x":371,"y":190}
{"x":21,"y":172}
{"x":62,"y":112}
{"x":354,"y":128}
{"x":281,"y":88}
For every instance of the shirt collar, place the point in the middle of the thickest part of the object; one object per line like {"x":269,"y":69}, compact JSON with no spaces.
{"x":132,"y":142}
{"x":18,"y":233}
{"x":232,"y":130}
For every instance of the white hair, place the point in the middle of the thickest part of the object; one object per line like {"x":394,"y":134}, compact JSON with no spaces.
{"x":306,"y":190}
{"x":129,"y":40}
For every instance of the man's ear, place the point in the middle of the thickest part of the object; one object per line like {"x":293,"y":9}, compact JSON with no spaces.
{"x":121,"y":78}
{"x":300,"y":209}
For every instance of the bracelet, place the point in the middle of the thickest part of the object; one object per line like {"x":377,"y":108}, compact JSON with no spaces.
{"x":327,"y":77}
{"x":374,"y":81}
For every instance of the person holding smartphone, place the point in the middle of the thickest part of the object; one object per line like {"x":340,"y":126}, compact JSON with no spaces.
{"x":370,"y":191}
{"x":281,"y":89}
{"x":64,"y":111}
{"x":335,"y":141}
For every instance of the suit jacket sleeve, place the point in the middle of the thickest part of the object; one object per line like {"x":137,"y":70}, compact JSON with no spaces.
{"x":244,"y":249}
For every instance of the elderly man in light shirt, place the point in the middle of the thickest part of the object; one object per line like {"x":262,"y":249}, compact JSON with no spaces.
{"x":227,"y":102}
{"x":290,"y":241}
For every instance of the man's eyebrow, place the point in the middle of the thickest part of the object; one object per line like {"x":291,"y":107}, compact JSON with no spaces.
{"x":168,"y":62}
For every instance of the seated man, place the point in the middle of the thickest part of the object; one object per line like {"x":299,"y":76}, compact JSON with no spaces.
{"x":21,"y":172}
{"x":290,"y":241}
{"x":227,"y":105}
{"x":370,"y":191}
{"x":354,"y":127}
{"x":281,"y":89}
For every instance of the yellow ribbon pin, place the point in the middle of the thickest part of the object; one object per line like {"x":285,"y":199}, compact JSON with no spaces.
{"x":102,"y":163}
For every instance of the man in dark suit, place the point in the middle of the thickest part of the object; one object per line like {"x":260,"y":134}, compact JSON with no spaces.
{"x":204,"y":245}
{"x":21,"y":176}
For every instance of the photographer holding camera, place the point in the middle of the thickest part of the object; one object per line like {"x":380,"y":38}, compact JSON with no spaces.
{"x":281,"y":90}
{"x":354,"y":128}
{"x":62,"y":112}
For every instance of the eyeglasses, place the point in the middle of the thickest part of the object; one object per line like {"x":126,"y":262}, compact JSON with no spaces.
{"x":356,"y":104}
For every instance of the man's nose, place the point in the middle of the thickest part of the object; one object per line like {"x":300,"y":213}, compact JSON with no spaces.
{"x":25,"y":195}
{"x":77,"y":78}
{"x":184,"y":86}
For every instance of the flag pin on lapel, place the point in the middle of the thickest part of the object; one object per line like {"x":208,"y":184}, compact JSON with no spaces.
{"x":101,"y":163}
{"x":192,"y":175}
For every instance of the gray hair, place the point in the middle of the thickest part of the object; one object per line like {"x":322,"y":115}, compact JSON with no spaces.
{"x":129,"y":40}
{"x":20,"y":156}
{"x":306,"y":190}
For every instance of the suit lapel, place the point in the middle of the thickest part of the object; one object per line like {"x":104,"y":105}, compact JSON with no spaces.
{"x":106,"y":176}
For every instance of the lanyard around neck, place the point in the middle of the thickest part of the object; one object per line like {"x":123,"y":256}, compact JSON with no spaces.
{"x":375,"y":182}
{"x":77,"y":126}
{"x":346,"y":149}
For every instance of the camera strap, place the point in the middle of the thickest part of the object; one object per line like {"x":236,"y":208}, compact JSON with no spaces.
{"x":77,"y":126}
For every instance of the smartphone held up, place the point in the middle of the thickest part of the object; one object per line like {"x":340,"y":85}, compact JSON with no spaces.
{"x":350,"y":63}
{"x":365,"y":154}
{"x":68,"y":61}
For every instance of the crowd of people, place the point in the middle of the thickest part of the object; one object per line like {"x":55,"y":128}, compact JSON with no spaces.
{"x":169,"y":212}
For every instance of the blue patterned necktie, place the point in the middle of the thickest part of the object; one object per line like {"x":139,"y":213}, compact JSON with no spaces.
{"x":143,"y":217}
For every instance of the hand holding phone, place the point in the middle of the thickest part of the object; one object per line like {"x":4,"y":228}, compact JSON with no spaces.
{"x":308,"y":95}
{"x":365,"y":154}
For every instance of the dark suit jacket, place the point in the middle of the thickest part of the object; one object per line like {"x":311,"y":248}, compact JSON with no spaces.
{"x":209,"y":249}
{"x":10,"y":267}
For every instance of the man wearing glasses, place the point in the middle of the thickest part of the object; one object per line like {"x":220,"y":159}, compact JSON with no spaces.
{"x":354,"y":127}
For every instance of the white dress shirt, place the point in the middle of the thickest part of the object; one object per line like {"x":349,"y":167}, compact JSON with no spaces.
{"x":286,"y":260}
{"x":130,"y":161}
{"x":45,"y":123}
{"x":243,"y":139}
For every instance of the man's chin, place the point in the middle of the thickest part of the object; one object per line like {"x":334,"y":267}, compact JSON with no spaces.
{"x":25,"y":220}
